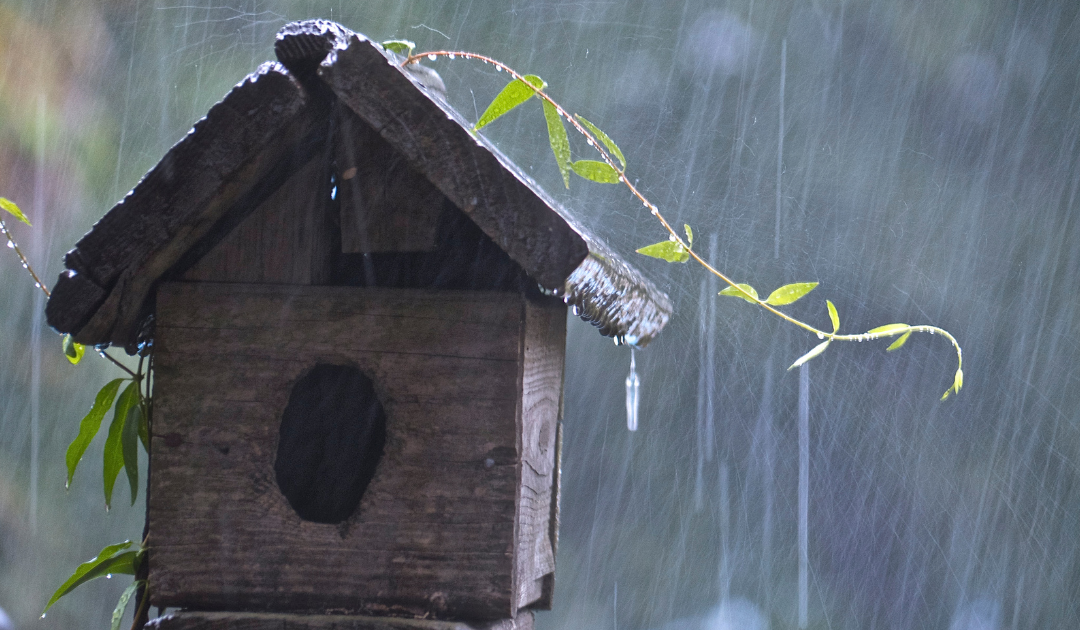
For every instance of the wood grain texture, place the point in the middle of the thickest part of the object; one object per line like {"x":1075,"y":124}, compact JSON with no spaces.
{"x":543,"y":352}
{"x":470,"y":173}
{"x":386,"y":205}
{"x":191,"y":620}
{"x":258,"y":131}
{"x":435,"y":530}
{"x":287,"y":239}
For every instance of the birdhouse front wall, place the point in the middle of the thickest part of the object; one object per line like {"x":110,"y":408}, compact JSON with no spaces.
{"x":458,"y":519}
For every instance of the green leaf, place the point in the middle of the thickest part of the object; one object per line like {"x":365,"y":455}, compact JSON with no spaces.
{"x":13,"y":209}
{"x":958,"y":382}
{"x":144,"y":428}
{"x":834,"y":316}
{"x":689,"y":234}
{"x":121,"y":606}
{"x":402,"y":47}
{"x":599,"y":172}
{"x":666,"y":250}
{"x":110,"y":560}
{"x":889,"y":329}
{"x":73,"y":351}
{"x":515,"y":93}
{"x":129,"y":446}
{"x":560,"y":144}
{"x":733,"y":292}
{"x":789,"y":293}
{"x":114,"y":448}
{"x":605,"y":139}
{"x":816,"y":350}
{"x":90,"y":424}
{"x":899,"y":342}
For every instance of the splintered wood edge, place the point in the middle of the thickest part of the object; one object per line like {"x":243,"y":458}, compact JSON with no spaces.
{"x":100,"y":297}
{"x":436,"y":141}
{"x":611,"y":294}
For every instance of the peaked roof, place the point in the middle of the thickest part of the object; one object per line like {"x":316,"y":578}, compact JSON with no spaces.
{"x":274,"y":121}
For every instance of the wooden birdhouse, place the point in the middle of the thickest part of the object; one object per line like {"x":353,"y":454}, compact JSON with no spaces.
{"x":357,"y":309}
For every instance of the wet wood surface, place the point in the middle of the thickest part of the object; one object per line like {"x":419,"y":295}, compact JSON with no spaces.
{"x":446,"y":528}
{"x":248,"y":143}
{"x":190,"y":620}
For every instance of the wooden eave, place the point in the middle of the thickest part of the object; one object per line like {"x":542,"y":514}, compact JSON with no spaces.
{"x":272,"y":122}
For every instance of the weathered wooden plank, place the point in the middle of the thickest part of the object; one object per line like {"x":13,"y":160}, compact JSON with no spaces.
{"x":434,"y":532}
{"x":470,"y":173}
{"x":386,"y":205}
{"x":288,"y":239}
{"x":543,"y":352}
{"x":192,"y":620}
{"x":507,"y":204}
{"x":235,"y":156}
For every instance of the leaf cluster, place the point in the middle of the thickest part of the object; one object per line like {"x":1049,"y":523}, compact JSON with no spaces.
{"x":524,"y":87}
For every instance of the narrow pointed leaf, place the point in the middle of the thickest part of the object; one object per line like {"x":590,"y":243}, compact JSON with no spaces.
{"x":958,"y":382}
{"x":144,"y":429}
{"x":110,"y":560}
{"x":789,"y":293}
{"x":599,"y":172}
{"x":816,"y":350}
{"x":833,"y":316}
{"x":515,"y":93}
{"x":121,"y":606}
{"x":114,"y":447}
{"x":689,"y":234}
{"x":733,"y":292}
{"x":605,"y":139}
{"x":402,"y":47}
{"x":90,"y":425}
{"x":896,"y":345}
{"x":13,"y":209}
{"x":73,"y":351}
{"x":129,"y":446}
{"x":889,"y":329}
{"x":666,"y":250}
{"x":560,"y":144}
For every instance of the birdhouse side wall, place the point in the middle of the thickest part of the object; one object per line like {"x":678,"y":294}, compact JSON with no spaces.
{"x":436,"y":532}
{"x":543,"y":351}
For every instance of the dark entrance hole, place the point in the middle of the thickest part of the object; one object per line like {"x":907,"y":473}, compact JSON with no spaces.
{"x":331,"y":439}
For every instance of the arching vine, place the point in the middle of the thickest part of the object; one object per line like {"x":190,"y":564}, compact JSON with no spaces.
{"x":611,"y":169}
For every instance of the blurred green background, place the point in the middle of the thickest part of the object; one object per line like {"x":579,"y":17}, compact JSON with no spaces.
{"x":929,"y":174}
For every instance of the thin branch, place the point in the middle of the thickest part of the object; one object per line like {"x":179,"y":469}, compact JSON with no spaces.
{"x":674,"y":235}
{"x":25,"y":263}
{"x":137,"y":377}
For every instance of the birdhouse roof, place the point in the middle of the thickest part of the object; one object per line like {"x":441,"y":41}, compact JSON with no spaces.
{"x":273,"y":122}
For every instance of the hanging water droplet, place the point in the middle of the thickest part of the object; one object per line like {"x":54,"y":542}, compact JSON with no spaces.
{"x":451,"y":55}
{"x":821,"y":335}
{"x":11,"y":245}
{"x":498,"y":68}
{"x":42,"y":615}
{"x":591,"y":143}
{"x":108,"y":576}
{"x":633,"y":395}
{"x":431,"y":57}
{"x":37,"y":285}
{"x":577,"y":310}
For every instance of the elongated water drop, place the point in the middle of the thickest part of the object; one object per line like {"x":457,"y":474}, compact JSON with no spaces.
{"x":633,"y":394}
{"x":431,"y":57}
